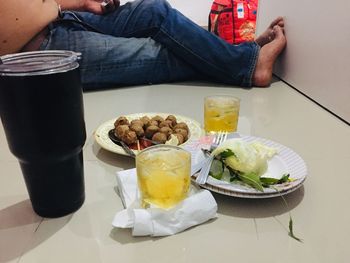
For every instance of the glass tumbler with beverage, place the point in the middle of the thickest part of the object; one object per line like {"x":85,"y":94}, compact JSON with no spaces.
{"x":163,"y":174}
{"x":221,"y":113}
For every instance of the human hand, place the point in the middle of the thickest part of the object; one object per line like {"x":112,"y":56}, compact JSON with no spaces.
{"x":98,"y":7}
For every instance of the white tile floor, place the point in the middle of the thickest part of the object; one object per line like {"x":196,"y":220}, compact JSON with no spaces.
{"x":245,"y":230}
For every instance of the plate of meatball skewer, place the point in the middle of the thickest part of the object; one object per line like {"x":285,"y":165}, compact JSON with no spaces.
{"x":140,"y":130}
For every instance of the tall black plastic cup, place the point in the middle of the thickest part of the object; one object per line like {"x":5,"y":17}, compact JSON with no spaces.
{"x":41,"y":109}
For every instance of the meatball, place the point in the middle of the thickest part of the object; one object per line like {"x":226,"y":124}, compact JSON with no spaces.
{"x":121,"y":121}
{"x":157,"y":118}
{"x":183,"y":132}
{"x":172,"y":118}
{"x":181,"y":125}
{"x":159,"y":137}
{"x":151,"y":130}
{"x":138,"y":129}
{"x":164,"y":124}
{"x":129,"y":137}
{"x":170,"y":123}
{"x":166,"y":130}
{"x":152,"y":123}
{"x":136,"y":122}
{"x":120,"y":130}
{"x":145,"y":120}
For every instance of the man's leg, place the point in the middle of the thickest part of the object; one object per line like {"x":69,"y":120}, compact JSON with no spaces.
{"x":268,"y":35}
{"x":268,"y":54}
{"x":202,"y":50}
{"x":109,"y":61}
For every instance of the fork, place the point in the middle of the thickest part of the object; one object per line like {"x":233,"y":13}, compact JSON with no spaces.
{"x":220,"y":137}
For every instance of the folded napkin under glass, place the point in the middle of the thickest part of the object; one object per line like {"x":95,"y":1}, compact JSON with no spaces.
{"x":199,"y":207}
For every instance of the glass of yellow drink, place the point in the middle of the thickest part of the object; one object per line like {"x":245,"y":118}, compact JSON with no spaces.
{"x":221,"y":113}
{"x":163,"y":175}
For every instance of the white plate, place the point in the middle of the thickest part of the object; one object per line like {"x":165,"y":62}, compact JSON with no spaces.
{"x":286,"y":161}
{"x":102,"y":138}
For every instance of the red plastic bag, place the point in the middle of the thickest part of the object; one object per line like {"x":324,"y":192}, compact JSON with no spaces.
{"x":233,"y":20}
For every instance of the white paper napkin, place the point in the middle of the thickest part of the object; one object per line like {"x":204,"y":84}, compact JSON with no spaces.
{"x":197,"y":208}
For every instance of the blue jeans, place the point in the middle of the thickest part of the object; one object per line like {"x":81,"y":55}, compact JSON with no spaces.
{"x":147,"y":41}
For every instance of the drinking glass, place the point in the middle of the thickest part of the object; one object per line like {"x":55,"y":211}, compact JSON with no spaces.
{"x":221,"y":113}
{"x":163,"y":174}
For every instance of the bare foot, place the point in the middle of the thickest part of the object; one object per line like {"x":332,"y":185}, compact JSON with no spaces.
{"x":267,"y":57}
{"x":269,"y":33}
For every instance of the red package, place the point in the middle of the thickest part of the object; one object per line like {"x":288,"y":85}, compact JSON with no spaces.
{"x":233,"y":21}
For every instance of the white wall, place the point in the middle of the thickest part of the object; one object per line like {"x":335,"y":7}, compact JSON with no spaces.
{"x":196,"y":10}
{"x":317,"y":58}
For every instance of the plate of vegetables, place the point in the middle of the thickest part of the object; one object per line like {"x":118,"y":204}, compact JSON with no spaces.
{"x":253,"y":167}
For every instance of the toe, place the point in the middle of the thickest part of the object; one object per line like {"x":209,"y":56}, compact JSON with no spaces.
{"x":278,"y":21}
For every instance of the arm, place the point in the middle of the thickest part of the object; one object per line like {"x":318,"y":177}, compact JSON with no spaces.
{"x":93,"y":6}
{"x":21,"y":20}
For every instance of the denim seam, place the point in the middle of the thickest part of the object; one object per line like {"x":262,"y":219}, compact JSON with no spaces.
{"x":248,"y":81}
{"x":95,"y":67}
{"x":130,"y":15}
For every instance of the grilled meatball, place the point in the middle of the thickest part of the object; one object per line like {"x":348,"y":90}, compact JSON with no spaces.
{"x":166,"y":130}
{"x":129,"y":137}
{"x":159,"y":137}
{"x":170,"y":123}
{"x":138,"y":129}
{"x":145,"y":120}
{"x":121,"y":121}
{"x":173,"y":120}
{"x":181,"y":125}
{"x":151,"y":130}
{"x":157,"y":118}
{"x":120,"y":130}
{"x":136,"y":122}
{"x":152,"y":123}
{"x":164,"y":124}
{"x":183,"y":132}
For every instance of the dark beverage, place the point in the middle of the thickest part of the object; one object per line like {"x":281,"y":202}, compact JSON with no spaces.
{"x":41,"y":108}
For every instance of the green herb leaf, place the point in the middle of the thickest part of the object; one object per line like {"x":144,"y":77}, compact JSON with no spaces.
{"x":291,"y":233}
{"x":268,"y":181}
{"x":233,"y":173}
{"x":284,"y":179}
{"x":227,"y":153}
{"x":253,"y":180}
{"x":217,"y":169}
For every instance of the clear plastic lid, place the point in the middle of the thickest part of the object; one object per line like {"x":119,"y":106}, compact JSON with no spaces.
{"x":38,"y":63}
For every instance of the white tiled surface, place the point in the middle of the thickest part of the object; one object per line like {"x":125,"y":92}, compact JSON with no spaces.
{"x":317,"y":65}
{"x":245,"y":230}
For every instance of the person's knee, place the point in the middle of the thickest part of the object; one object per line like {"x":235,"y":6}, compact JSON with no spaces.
{"x":156,"y":6}
{"x":153,"y":10}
